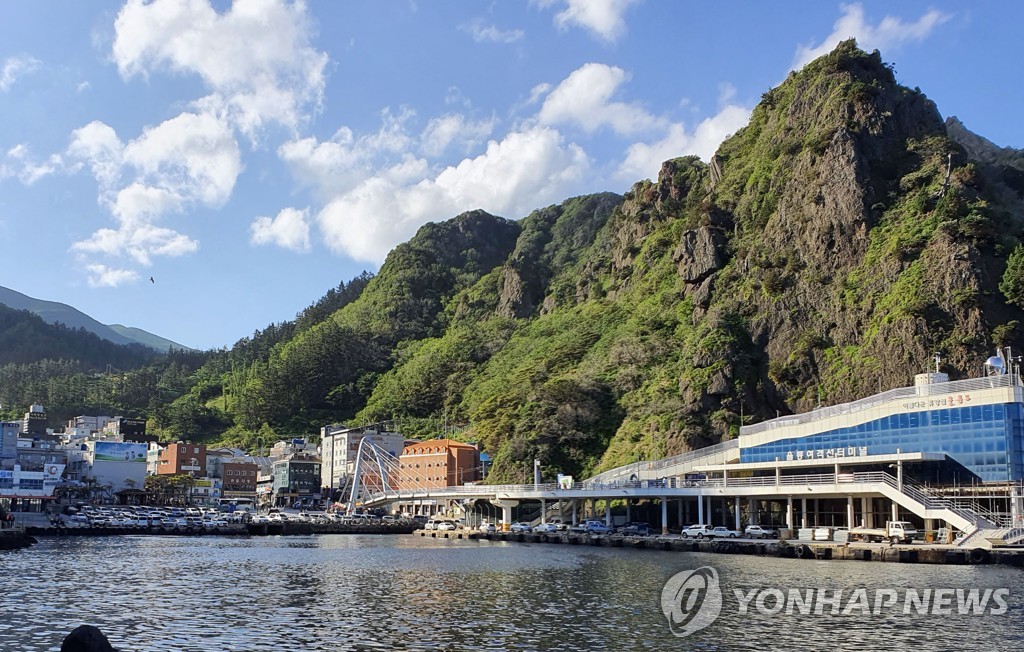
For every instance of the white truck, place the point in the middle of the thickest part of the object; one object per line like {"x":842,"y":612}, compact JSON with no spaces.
{"x":893,"y":532}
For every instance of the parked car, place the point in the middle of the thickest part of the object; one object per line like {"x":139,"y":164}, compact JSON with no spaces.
{"x":724,"y":532}
{"x":486,"y":527}
{"x":522,"y":526}
{"x":446,"y":525}
{"x":635,"y":528}
{"x":545,"y":528}
{"x":597,"y":527}
{"x":696,"y":532}
{"x":759,"y":532}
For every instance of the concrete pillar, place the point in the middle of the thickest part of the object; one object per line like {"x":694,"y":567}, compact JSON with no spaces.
{"x":629,"y":510}
{"x":664,"y":515}
{"x":709,"y":512}
{"x":803,"y":512}
{"x":575,"y":517}
{"x":679,"y":514}
{"x":725,"y":478}
{"x":817,"y":518}
{"x":543,"y":511}
{"x":865,"y":512}
{"x":895,"y":511}
{"x":506,"y":518}
{"x":849,"y":511}
{"x":778,"y":475}
{"x":700,"y":510}
{"x":593,"y":507}
{"x":789,"y":513}
{"x":608,"y":513}
{"x":736,"y":508}
{"x":753,"y":517}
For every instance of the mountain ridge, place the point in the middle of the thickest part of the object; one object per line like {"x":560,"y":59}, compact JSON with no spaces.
{"x":54,"y":312}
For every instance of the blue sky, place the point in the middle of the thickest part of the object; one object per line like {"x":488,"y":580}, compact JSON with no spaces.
{"x":249,"y":156}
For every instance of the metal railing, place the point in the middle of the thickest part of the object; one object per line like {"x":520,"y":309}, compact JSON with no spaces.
{"x":935,"y":389}
{"x":635,"y":468}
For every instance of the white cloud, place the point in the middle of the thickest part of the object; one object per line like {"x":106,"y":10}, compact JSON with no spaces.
{"x":138,"y":242}
{"x":97,"y":144}
{"x":604,"y":18}
{"x":584,"y":98}
{"x":289,"y":230}
{"x":102,"y":276}
{"x":189,"y":159}
{"x":193,"y":156}
{"x":515,"y":175}
{"x":26,"y":170}
{"x":643,"y":160}
{"x":889,"y":34}
{"x":256,"y":57}
{"x":482,"y":33}
{"x":447,"y":129}
{"x":14,"y":68}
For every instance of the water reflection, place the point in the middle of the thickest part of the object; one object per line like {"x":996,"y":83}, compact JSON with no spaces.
{"x":382,"y":593}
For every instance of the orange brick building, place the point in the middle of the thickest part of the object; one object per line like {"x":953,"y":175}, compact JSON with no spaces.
{"x":183,"y":458}
{"x":439,"y":463}
{"x":240,"y":478}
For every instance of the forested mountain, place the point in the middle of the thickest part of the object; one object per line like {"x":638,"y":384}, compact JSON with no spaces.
{"x":827,"y":250}
{"x":58,"y":313}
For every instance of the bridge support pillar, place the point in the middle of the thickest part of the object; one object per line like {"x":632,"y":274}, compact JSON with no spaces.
{"x":753,"y":516}
{"x":849,"y":511}
{"x":865,"y":512}
{"x":543,"y":511}
{"x":679,"y":513}
{"x":664,"y":515}
{"x":575,"y":516}
{"x":608,"y":512}
{"x":700,"y":510}
{"x":506,"y":512}
{"x":629,"y":510}
{"x":895,"y":511}
{"x":736,"y":509}
{"x":710,"y":513}
{"x":803,"y":512}
{"x":789,"y":513}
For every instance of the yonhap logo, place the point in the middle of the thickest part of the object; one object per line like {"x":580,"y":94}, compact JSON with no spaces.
{"x":691,"y":600}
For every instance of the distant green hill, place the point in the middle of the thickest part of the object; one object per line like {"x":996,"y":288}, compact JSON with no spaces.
{"x":53,"y":312}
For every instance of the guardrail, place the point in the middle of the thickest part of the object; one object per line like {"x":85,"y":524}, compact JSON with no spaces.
{"x":632,"y":468}
{"x":935,"y":389}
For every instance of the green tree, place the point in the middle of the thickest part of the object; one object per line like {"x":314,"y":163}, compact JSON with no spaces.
{"x":1012,"y":283}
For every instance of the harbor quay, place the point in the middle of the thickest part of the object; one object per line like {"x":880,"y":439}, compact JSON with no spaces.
{"x":787,"y":548}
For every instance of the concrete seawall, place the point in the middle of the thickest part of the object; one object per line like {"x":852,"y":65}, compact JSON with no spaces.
{"x":252,"y":529}
{"x":906,"y":554}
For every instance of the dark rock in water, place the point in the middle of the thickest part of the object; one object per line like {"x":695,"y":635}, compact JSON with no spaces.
{"x":86,"y":638}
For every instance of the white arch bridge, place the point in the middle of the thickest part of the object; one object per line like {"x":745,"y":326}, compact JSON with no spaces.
{"x":703,"y":486}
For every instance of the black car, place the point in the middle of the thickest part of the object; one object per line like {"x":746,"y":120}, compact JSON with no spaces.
{"x":635,"y":528}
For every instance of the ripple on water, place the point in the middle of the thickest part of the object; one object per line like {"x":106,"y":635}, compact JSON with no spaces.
{"x":335,"y":593}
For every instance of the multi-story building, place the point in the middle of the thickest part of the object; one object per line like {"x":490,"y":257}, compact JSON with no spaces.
{"x":87,"y":423}
{"x":339,"y":447}
{"x":34,"y":421}
{"x":121,"y":465}
{"x":438,"y":463}
{"x":182,"y":457}
{"x":8,"y":443}
{"x":296,"y":479}
{"x":236,"y":471}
